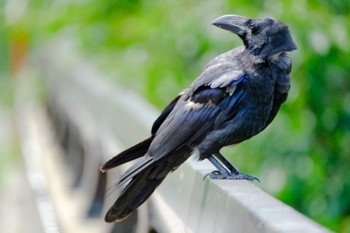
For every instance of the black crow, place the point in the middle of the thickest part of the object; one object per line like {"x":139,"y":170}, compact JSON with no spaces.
{"x":237,"y":95}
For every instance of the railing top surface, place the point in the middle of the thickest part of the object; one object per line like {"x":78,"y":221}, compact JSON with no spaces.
{"x":199,"y":205}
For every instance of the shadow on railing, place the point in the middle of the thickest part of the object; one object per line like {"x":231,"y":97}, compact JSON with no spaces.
{"x":93,"y":120}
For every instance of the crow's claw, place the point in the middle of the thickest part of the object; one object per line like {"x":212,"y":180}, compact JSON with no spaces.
{"x":214,"y":175}
{"x":217,"y":175}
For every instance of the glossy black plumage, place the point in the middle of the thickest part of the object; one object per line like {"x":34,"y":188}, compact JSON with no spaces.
{"x":237,"y":95}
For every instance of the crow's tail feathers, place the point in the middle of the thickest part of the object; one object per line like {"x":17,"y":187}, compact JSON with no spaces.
{"x":132,"y":153}
{"x":139,"y":185}
{"x":133,"y":195}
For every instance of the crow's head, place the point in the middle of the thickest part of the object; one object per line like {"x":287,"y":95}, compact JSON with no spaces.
{"x":262,"y":37}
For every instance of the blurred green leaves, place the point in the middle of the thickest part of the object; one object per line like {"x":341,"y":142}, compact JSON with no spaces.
{"x":157,"y":48}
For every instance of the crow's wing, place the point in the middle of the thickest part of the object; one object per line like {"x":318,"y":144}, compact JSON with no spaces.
{"x":211,"y":100}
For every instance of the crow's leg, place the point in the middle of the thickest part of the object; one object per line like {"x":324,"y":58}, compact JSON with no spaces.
{"x":226,"y":163}
{"x":222,"y":173}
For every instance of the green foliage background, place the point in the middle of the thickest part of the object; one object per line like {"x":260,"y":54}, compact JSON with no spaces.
{"x":157,"y":48}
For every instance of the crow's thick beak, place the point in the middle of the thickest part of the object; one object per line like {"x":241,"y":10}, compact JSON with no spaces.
{"x":233,"y":23}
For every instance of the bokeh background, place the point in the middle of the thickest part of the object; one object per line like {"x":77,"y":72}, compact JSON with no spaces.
{"x":157,"y":48}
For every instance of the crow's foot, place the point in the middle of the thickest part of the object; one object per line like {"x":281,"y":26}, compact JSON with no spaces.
{"x":215,"y":175}
{"x":228,"y":171}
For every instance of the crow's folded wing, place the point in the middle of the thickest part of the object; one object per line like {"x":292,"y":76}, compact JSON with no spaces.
{"x":203,"y":107}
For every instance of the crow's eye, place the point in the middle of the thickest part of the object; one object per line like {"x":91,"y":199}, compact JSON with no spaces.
{"x":254,"y":28}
